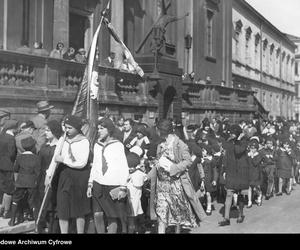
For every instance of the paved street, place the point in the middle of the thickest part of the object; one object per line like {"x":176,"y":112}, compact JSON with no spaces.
{"x":277,"y":215}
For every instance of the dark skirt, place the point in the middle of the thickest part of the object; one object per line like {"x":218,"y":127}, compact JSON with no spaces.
{"x":112,"y":208}
{"x":7,"y":182}
{"x":72,"y":200}
{"x":255,"y":176}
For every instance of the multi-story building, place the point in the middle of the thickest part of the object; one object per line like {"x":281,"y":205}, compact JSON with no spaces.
{"x":234,"y":50}
{"x":296,"y":40}
{"x":263,"y":59}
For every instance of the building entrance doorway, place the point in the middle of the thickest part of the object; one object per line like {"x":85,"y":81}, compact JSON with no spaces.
{"x":78,"y":26}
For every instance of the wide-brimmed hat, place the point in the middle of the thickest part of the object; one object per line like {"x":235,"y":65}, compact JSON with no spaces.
{"x":43,"y":106}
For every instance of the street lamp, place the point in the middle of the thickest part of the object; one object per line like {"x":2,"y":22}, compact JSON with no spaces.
{"x":188,"y":45}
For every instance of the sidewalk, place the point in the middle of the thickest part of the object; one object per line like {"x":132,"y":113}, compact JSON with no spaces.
{"x":24,"y":227}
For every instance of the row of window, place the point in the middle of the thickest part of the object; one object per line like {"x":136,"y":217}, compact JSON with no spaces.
{"x":250,"y":48}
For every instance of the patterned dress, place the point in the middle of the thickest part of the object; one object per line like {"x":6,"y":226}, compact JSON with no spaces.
{"x":171,"y":203}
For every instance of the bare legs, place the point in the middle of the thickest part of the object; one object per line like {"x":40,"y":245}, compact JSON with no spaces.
{"x":64,"y":225}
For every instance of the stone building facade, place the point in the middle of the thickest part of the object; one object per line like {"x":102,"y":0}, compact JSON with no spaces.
{"x":232,"y":54}
{"x":263,"y":59}
{"x":296,"y":40}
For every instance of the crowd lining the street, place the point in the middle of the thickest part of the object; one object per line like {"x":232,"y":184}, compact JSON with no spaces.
{"x":136,"y":176}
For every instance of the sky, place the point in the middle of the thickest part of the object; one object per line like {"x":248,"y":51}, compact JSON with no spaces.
{"x":283,"y":14}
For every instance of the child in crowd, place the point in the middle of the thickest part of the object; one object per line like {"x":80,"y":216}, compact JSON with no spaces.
{"x":285,"y":160}
{"x":27,"y":168}
{"x":134,"y":186}
{"x":210,"y":175}
{"x":255,"y":173}
{"x":141,"y":140}
{"x":269,"y":168}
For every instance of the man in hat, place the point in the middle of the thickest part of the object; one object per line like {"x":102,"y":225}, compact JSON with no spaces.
{"x":8,"y":153}
{"x":40,"y":123}
{"x":4,"y":115}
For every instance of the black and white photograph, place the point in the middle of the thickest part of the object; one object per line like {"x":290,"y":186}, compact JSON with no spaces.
{"x":149,"y":117}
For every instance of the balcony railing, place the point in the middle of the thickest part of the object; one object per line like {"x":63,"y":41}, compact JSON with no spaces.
{"x":217,"y":97}
{"x":31,"y":77}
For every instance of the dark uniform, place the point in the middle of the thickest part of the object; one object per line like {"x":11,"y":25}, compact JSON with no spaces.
{"x":27,"y":166}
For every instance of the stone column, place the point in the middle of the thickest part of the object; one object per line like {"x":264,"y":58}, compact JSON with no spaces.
{"x":117,"y":21}
{"x":184,"y":28}
{"x":227,"y":42}
{"x":5,"y":25}
{"x":61,"y":22}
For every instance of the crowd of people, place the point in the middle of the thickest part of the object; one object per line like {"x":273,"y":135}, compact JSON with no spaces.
{"x":59,"y":52}
{"x":136,"y":176}
{"x":77,"y":55}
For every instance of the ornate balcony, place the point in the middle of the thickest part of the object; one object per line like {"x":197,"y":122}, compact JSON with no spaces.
{"x":26,"y":77}
{"x":217,"y":97}
{"x":30,"y":77}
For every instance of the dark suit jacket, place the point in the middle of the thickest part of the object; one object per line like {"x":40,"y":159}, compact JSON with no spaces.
{"x":128,"y":139}
{"x":8,"y":152}
{"x":28,"y":168}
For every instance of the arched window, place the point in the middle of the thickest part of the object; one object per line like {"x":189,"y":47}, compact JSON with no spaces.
{"x":257,"y":50}
{"x":248,"y":46}
{"x":271,"y":64}
{"x":265,"y":56}
{"x":237,"y":32}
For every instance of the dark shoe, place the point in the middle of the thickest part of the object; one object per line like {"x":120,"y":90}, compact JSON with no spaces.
{"x":225,"y":222}
{"x":249,"y":206}
{"x":279,"y":194}
{"x":12,"y":222}
{"x":240,"y":219}
{"x":20,"y":218}
{"x":288,"y":192}
{"x":208,"y":213}
{"x":267,"y":197}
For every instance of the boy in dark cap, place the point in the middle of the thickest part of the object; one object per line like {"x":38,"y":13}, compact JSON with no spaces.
{"x":27,"y":167}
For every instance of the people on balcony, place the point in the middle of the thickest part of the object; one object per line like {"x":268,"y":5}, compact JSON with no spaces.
{"x":81,"y":56}
{"x":59,"y":51}
{"x":70,"y":54}
{"x":39,"y":50}
{"x":109,"y":61}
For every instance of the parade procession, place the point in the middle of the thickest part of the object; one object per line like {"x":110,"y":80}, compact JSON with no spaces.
{"x":147,"y":117}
